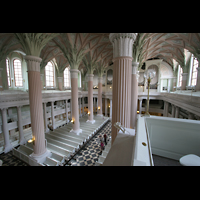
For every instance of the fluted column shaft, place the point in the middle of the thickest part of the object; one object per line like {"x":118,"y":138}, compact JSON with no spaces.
{"x":74,"y":99}
{"x":35,"y":99}
{"x":99,"y":112}
{"x":122,"y":68}
{"x":90,"y":97}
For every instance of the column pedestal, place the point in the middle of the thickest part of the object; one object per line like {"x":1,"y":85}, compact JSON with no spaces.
{"x":35,"y":98}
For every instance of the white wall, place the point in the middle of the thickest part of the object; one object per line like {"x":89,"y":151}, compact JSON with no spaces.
{"x":173,"y":138}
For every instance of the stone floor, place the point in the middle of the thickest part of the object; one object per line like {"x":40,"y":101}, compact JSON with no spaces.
{"x":162,"y":161}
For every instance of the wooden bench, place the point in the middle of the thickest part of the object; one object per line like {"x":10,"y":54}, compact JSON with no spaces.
{"x":61,"y":144}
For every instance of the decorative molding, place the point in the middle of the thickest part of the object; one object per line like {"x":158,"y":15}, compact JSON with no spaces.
{"x":100,"y":79}
{"x":90,"y":77}
{"x":33,"y":63}
{"x":122,"y":43}
{"x":74,"y":73}
{"x":60,"y":79}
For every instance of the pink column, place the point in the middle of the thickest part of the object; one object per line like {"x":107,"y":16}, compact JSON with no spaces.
{"x":198,"y":79}
{"x":121,"y":93}
{"x":122,"y":68}
{"x":99,"y":112}
{"x":35,"y":99}
{"x":60,"y":83}
{"x":134,"y":94}
{"x":74,"y":98}
{"x":184,"y":81}
{"x":90,"y":99}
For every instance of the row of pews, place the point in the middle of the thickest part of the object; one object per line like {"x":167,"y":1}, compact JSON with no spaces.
{"x":62,"y":143}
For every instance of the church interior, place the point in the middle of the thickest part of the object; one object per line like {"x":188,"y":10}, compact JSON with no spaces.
{"x":99,"y":99}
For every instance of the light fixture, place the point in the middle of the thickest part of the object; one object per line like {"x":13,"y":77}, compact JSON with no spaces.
{"x":89,"y":113}
{"x":72,"y":121}
{"x":99,"y":108}
{"x":109,"y":106}
{"x":32,"y":141}
{"x":110,"y":87}
{"x":138,"y":112}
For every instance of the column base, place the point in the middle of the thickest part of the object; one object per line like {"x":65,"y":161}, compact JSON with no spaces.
{"x":7,"y":148}
{"x":91,"y":121}
{"x":99,"y":115}
{"x":39,"y":158}
{"x":77,"y":132}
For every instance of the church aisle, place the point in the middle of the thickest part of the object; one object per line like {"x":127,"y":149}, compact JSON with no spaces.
{"x":89,"y":154}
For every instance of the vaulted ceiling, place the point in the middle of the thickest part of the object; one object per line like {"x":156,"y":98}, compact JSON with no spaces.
{"x":167,"y":46}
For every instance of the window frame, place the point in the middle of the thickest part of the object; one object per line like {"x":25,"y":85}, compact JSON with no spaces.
{"x":8,"y":70}
{"x":69,"y":77}
{"x":45,"y":71}
{"x":180,"y":76}
{"x":13,"y":75}
{"x":194,"y":70}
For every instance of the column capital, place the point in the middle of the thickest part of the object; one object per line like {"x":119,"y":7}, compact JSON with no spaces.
{"x":33,"y":63}
{"x":90,"y":77}
{"x":74,"y":73}
{"x":60,"y":79}
{"x":122,"y":43}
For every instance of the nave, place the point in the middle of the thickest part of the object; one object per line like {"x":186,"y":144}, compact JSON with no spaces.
{"x":86,"y":155}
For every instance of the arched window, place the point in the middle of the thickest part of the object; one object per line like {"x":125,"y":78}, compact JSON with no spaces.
{"x":194,"y":72}
{"x":67,"y":77}
{"x":18,"y":73}
{"x":49,"y":71}
{"x":8,"y":71}
{"x":180,"y":76}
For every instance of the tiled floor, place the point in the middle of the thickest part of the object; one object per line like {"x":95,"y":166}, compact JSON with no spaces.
{"x":89,"y":154}
{"x":10,"y":160}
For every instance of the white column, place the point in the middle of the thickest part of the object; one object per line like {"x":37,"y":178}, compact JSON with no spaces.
{"x":7,"y":145}
{"x":106,"y":107}
{"x":140,"y":106}
{"x":83,"y":105}
{"x":45,"y":117}
{"x":66,"y":111}
{"x":35,"y":98}
{"x":110,"y":108}
{"x":79,"y":100}
{"x":122,"y":67}
{"x":1,"y":82}
{"x":99,"y":105}
{"x":177,"y":112}
{"x":20,"y":127}
{"x":173,"y":111}
{"x":52,"y":114}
